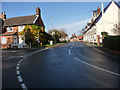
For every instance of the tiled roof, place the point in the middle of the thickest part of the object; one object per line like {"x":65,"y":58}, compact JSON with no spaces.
{"x":20,"y":20}
{"x":8,"y":33}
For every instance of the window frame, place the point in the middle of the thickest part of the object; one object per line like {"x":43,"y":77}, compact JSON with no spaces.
{"x":3,"y":40}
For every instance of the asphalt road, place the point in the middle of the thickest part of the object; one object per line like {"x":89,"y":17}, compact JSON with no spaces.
{"x":72,"y":65}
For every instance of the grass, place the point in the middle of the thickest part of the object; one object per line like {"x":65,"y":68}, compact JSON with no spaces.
{"x":48,"y":45}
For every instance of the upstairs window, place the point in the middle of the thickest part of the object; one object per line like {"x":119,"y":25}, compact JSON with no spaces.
{"x":10,"y":29}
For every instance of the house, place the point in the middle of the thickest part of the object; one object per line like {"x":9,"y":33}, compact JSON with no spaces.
{"x":64,"y":36}
{"x":80,"y":38}
{"x":73,"y":38}
{"x":15,"y":25}
{"x":103,"y":21}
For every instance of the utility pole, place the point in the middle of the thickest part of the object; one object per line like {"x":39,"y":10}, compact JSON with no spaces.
{"x":52,"y":23}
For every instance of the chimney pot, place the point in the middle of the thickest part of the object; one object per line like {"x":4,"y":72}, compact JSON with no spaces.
{"x":98,"y":10}
{"x":38,"y":11}
{"x":3,"y":16}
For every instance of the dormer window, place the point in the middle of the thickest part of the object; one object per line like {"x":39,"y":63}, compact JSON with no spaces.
{"x":10,"y":29}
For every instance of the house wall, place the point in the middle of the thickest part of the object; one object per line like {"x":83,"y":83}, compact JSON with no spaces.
{"x":15,"y":28}
{"x":90,"y":35}
{"x":108,"y":20}
{"x":106,"y":23}
{"x":9,"y":40}
{"x":39,"y":22}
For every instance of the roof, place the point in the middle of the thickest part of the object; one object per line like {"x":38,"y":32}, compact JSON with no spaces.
{"x":8,"y":33}
{"x":88,"y":24}
{"x":74,"y":36}
{"x":20,"y":20}
{"x":100,"y":15}
{"x":80,"y":37}
{"x":1,"y":22}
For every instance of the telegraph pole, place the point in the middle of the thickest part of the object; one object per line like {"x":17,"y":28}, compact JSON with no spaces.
{"x":52,"y":23}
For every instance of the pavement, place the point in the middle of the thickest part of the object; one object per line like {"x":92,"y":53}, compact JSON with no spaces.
{"x":101,"y":49}
{"x":71,"y":65}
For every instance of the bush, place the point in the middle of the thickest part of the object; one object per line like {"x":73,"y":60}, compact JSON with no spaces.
{"x":112,"y":42}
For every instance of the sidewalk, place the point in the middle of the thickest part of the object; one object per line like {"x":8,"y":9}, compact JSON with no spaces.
{"x":5,"y":53}
{"x":102,"y":50}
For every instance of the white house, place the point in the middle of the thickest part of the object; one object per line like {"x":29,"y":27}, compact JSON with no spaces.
{"x":104,"y":22}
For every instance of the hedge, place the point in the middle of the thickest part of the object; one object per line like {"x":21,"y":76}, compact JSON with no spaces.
{"x":112,"y":42}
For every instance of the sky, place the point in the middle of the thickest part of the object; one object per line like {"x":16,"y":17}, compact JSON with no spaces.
{"x":70,"y":16}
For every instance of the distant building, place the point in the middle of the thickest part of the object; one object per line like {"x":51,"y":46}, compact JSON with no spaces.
{"x":74,"y":38}
{"x":102,"y":21}
{"x":80,"y":38}
{"x":15,"y":25}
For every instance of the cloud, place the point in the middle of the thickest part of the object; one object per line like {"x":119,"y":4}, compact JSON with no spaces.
{"x":72,"y":25}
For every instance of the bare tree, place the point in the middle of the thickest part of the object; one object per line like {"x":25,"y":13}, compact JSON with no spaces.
{"x":116,"y":29}
{"x":63,"y":33}
{"x":82,"y":31}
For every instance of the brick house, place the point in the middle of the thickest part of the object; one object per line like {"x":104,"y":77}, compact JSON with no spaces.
{"x":15,"y":25}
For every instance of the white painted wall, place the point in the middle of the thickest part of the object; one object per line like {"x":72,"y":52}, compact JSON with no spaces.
{"x":106,"y":23}
{"x":20,"y":28}
{"x":108,"y":20}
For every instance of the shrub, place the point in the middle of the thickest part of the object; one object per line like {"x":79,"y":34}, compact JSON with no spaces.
{"x":105,"y":34}
{"x":112,"y":42}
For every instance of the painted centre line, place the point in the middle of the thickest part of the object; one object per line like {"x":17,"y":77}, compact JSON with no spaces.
{"x":114,"y":73}
{"x":105,"y":70}
{"x":70,"y":49}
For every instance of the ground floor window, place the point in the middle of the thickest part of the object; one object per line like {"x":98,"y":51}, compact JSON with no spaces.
{"x":3,"y":40}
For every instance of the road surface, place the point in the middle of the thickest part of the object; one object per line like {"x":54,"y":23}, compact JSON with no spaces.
{"x":72,"y":65}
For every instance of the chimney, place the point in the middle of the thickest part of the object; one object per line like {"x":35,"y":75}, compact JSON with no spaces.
{"x":92,"y":20}
{"x":86,"y":27}
{"x":72,"y":35}
{"x":98,"y":10}
{"x":102,"y":8}
{"x":3,"y":16}
{"x":38,"y":11}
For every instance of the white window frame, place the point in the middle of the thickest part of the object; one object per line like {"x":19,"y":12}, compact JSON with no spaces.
{"x":8,"y":29}
{"x":20,"y":28}
{"x":4,"y":40}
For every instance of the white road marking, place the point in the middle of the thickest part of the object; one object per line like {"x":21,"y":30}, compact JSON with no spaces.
{"x":17,"y":68}
{"x":69,"y":52}
{"x":23,"y":86}
{"x":18,"y":64}
{"x":70,"y":49}
{"x":20,"y":79}
{"x":18,"y":72}
{"x":117,"y":74}
{"x":13,"y":51}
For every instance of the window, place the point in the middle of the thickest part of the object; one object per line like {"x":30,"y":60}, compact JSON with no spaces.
{"x":20,"y":28}
{"x":3,"y":40}
{"x":10,"y":29}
